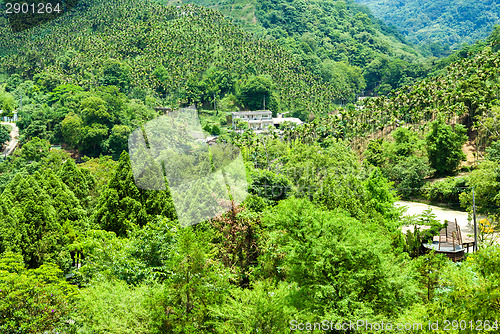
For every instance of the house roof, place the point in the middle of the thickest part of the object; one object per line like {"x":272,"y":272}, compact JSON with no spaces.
{"x":248,"y":113}
{"x":287,"y":119}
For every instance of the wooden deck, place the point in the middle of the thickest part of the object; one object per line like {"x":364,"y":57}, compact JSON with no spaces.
{"x":450,"y":242}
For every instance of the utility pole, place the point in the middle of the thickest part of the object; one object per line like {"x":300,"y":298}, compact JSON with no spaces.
{"x":474,"y":217}
{"x":215,"y":106}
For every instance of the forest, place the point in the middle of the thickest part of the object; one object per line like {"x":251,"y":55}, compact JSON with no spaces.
{"x":340,"y":41}
{"x":439,"y":26}
{"x":316,"y":242}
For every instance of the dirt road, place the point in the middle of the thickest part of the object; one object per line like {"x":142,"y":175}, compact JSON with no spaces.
{"x":14,"y":139}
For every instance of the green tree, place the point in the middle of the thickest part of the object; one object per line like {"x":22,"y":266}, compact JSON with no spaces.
{"x":345,"y":78}
{"x":115,"y":73}
{"x":102,"y":170}
{"x":35,"y":149}
{"x":115,"y":103}
{"x":342,"y":268}
{"x":196,"y":284}
{"x":380,"y":195}
{"x":123,"y":205}
{"x":134,"y":260}
{"x":4,"y":135}
{"x":241,"y":124}
{"x":415,"y":239}
{"x":113,"y":306}
{"x":430,"y":268}
{"x":444,"y":146}
{"x":34,"y":300}
{"x":474,"y":288}
{"x":330,"y":176}
{"x":374,"y":152}
{"x":47,"y":80}
{"x":93,"y":138}
{"x":409,"y":174}
{"x":493,"y":151}
{"x":267,"y":184}
{"x":36,"y":129}
{"x":7,"y":102}
{"x":37,"y":213}
{"x":257,"y":92}
{"x":79,"y":181}
{"x":405,"y":142}
{"x":95,"y":110}
{"x":66,"y":94}
{"x":486,"y":183}
{"x":264,"y":308}
{"x":72,"y":129}
{"x":212,"y":128}
{"x":118,"y":140}
{"x":447,"y":190}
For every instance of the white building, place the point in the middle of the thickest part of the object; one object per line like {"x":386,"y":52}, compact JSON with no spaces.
{"x":9,"y":119}
{"x":257,"y":120}
{"x":261,"y":119}
{"x":280,"y":119}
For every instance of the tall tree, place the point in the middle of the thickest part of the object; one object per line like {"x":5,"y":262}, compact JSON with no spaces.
{"x":444,"y":146}
{"x":33,"y":300}
{"x":123,"y":204}
{"x":79,"y":181}
{"x":256,"y":93}
{"x":4,"y":135}
{"x":36,"y":212}
{"x":342,"y":268}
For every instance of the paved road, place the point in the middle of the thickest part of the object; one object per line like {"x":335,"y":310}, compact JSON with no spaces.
{"x":442,"y":214}
{"x":14,"y":139}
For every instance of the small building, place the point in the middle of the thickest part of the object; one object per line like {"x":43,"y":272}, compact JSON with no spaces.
{"x":9,"y":119}
{"x":257,"y":120}
{"x":280,"y":119}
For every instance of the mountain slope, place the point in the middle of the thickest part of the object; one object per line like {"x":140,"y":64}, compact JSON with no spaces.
{"x":439,"y":21}
{"x":327,"y":36}
{"x":163,"y":50}
{"x":464,"y":92}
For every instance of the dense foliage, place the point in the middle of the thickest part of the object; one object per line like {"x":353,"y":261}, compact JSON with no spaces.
{"x":187,"y":55}
{"x":4,"y":135}
{"x":464,"y":92}
{"x":439,"y":25}
{"x":33,"y":300}
{"x":84,"y":249}
{"x":444,"y":146}
{"x":341,"y":41}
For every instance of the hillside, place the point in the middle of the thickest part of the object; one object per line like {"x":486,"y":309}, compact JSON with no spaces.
{"x":436,"y":23}
{"x":312,"y":235}
{"x":339,"y":40}
{"x":444,"y":125}
{"x":160,"y":51}
{"x":464,"y":92}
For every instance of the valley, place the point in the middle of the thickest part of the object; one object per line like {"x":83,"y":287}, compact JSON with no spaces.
{"x":200,"y":166}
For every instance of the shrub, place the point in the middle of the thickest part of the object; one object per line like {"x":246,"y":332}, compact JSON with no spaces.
{"x":4,"y":135}
{"x":267,"y":184}
{"x":447,"y":190}
{"x":34,"y":300}
{"x":409,"y":174}
{"x":444,"y":146}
